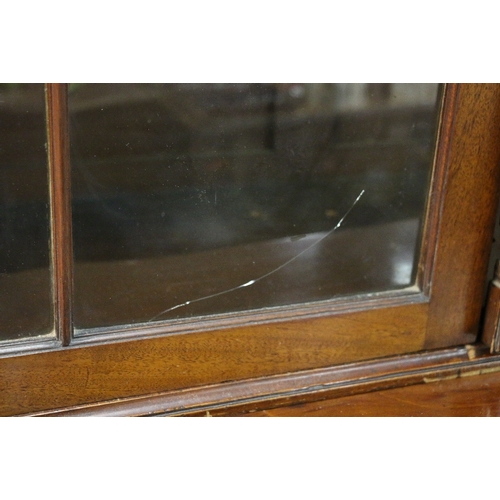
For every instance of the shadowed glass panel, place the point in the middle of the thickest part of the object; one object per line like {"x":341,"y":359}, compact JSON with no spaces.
{"x":197,"y":199}
{"x":25,"y":288}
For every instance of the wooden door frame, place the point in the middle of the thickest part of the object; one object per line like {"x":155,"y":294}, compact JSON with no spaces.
{"x":301,"y":352}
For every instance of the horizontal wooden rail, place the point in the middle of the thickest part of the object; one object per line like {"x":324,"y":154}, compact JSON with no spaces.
{"x":304,"y":386}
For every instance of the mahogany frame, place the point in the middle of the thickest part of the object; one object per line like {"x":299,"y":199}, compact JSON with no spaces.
{"x":164,"y":365}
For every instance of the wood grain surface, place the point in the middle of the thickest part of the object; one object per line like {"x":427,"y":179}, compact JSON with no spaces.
{"x":473,"y":396}
{"x":466,"y":217}
{"x":87,"y":374}
{"x":155,"y":359}
{"x":292,"y":388}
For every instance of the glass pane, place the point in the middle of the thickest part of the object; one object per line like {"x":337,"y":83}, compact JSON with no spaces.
{"x":196,"y":199}
{"x":25,"y":287}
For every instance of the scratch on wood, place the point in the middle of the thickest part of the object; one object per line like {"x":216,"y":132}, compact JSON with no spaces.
{"x":87,"y":377}
{"x":471,"y":351}
{"x":430,"y":380}
{"x":481,"y":371}
{"x":462,"y":373}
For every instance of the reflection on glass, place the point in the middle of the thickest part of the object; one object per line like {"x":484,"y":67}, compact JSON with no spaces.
{"x":25,"y":288}
{"x":196,"y":199}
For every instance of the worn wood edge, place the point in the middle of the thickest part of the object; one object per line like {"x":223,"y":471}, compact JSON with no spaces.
{"x":490,"y":331}
{"x":60,"y":208}
{"x":298,"y":387}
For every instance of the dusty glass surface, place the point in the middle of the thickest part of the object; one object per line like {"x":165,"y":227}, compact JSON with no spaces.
{"x":196,"y":199}
{"x":25,"y":288}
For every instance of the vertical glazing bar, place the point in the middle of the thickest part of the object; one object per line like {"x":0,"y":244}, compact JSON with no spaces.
{"x":439,"y":175}
{"x":60,"y":207}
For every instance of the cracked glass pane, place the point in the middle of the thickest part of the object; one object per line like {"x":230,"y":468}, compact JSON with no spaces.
{"x":25,"y":287}
{"x":199,"y":199}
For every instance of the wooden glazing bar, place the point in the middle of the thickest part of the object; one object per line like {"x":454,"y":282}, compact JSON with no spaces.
{"x":439,"y":172}
{"x":60,"y":207}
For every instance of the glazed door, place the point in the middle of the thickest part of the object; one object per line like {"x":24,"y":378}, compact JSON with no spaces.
{"x":216,"y":233}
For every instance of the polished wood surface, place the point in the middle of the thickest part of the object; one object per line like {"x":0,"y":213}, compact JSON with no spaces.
{"x":472,"y":396}
{"x":60,"y":207}
{"x":137,"y":362}
{"x":292,"y":388}
{"x":85,"y":374}
{"x":467,"y":216}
